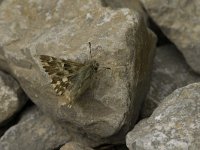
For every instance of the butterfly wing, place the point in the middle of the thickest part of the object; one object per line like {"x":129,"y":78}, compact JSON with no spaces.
{"x":62,"y":72}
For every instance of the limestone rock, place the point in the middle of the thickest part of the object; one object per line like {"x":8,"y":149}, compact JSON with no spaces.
{"x":36,"y":131}
{"x":175,"y":124}
{"x":131,"y":4}
{"x":120,"y":40}
{"x":12,"y":98}
{"x":170,"y":72}
{"x":179,"y":20}
{"x":74,"y":146}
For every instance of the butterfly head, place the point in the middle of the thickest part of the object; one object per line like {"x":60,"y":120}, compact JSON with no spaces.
{"x":95,"y":65}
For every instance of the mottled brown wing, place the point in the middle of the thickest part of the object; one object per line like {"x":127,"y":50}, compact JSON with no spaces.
{"x":61,"y":72}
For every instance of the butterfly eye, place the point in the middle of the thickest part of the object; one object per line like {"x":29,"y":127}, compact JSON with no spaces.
{"x":66,"y":65}
{"x":96,"y":66}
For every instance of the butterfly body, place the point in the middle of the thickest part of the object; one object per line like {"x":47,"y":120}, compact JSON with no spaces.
{"x":69,"y":78}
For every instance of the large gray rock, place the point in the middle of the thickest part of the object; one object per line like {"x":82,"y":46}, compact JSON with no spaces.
{"x":74,"y":146}
{"x":175,"y":124}
{"x":12,"y":97}
{"x":170,"y":72}
{"x":36,"y":131}
{"x":131,"y":4}
{"x":120,"y":40}
{"x":78,"y":146}
{"x":179,"y":20}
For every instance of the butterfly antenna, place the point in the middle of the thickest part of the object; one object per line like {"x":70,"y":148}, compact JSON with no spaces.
{"x":90,"y":46}
{"x":106,"y":68}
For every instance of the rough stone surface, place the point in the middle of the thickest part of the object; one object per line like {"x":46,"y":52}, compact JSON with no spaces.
{"x":170,"y":72}
{"x":131,"y":4}
{"x":175,"y":124}
{"x":12,"y":98}
{"x":179,"y":20}
{"x":74,"y":146}
{"x":36,"y":131}
{"x":120,"y":40}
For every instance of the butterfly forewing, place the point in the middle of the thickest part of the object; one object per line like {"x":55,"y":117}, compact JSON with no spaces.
{"x":61,"y":71}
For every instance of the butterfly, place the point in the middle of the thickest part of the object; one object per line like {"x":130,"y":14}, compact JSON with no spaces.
{"x":69,"y":78}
